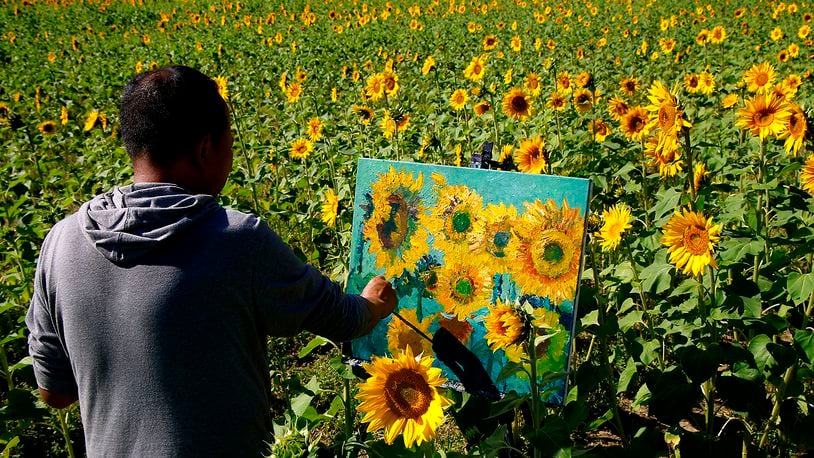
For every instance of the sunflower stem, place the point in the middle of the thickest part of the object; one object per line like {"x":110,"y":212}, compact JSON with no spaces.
{"x":245,"y":154}
{"x":535,"y":393}
{"x":690,"y":171}
{"x":604,"y":347}
{"x":63,"y":426}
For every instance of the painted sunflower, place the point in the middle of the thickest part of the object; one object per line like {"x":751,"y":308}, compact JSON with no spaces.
{"x":546,"y":250}
{"x":401,"y":337}
{"x":458,"y":212}
{"x":491,"y":243}
{"x":463,"y":289}
{"x":401,"y":396}
{"x":461,"y":329}
{"x":690,"y":238}
{"x":395,"y":229}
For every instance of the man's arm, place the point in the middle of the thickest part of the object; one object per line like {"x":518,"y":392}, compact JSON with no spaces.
{"x":56,"y":399}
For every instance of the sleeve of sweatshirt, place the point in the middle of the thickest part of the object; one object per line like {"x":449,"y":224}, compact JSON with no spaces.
{"x":292,"y":296}
{"x":52,"y":367}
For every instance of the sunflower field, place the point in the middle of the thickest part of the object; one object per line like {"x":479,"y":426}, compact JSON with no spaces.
{"x":692,"y":119}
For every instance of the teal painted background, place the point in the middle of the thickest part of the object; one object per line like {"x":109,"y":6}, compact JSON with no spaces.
{"x":509,"y":188}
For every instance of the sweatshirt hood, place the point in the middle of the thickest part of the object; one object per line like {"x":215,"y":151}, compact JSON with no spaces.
{"x":129,"y":221}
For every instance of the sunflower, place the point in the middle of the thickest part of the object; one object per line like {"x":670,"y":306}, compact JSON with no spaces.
{"x":617,"y":108}
{"x":783,"y":55}
{"x":557,"y":101}
{"x":776,"y":34}
{"x":690,"y":238}
{"x":532,"y":83}
{"x":504,"y":326}
{"x":702,"y":38}
{"x":583,"y":100}
{"x":666,"y":115}
{"x":599,"y":129}
{"x":458,"y":99}
{"x":807,"y":175}
{"x":706,"y":83}
{"x":429,"y":65}
{"x":330,"y":208}
{"x":665,"y":156}
{"x":476,"y":68}
{"x":531,"y":157}
{"x":90,"y":122}
{"x":364,"y":113}
{"x":794,"y":50}
{"x":293,"y":92}
{"x":729,"y":100}
{"x":489,"y":42}
{"x":458,"y":212}
{"x":300,"y":148}
{"x":793,"y":81}
{"x":481,"y":108}
{"x":629,"y":86}
{"x":395,"y":229}
{"x":516,"y":44}
{"x":717,"y":35}
{"x":795,"y":129}
{"x":223,"y":87}
{"x":402,"y":121}
{"x":314,"y":129}
{"x":461,"y":329}
{"x":584,"y":79}
{"x":401,"y":396}
{"x":517,"y":104}
{"x":490,"y":243}
{"x":47,"y":127}
{"x":760,"y":77}
{"x":463,"y":289}
{"x":375,"y":87}
{"x":564,"y":83}
{"x":804,"y":31}
{"x":388,"y":125}
{"x":699,"y":174}
{"x":617,"y":220}
{"x":400,"y":336}
{"x":763,"y":115}
{"x":391,"y":83}
{"x":692,"y":83}
{"x":634,"y":124}
{"x":546,"y":250}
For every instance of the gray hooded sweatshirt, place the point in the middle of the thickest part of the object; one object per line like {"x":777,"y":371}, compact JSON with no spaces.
{"x":153,"y":306}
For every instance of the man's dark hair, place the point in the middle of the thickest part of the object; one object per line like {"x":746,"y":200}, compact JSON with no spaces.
{"x":166,"y":112}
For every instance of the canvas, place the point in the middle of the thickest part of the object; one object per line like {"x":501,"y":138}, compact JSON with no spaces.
{"x":494,"y":257}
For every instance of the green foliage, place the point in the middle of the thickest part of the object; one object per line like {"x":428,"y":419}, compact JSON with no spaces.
{"x":664,"y":363}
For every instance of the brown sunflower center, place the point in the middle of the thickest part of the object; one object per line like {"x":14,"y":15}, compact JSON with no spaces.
{"x":764,"y":117}
{"x":696,"y":240}
{"x":393,"y":231}
{"x":630,"y":86}
{"x":519,"y":104}
{"x":407,"y":394}
{"x":636,"y":123}
{"x":761,"y":79}
{"x":667,"y":116}
{"x":476,"y":69}
{"x":796,"y":125}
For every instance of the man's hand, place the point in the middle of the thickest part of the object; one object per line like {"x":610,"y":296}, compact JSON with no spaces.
{"x":381,"y":300}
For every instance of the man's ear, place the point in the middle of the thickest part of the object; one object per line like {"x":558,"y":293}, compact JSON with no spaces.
{"x":203,"y":151}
